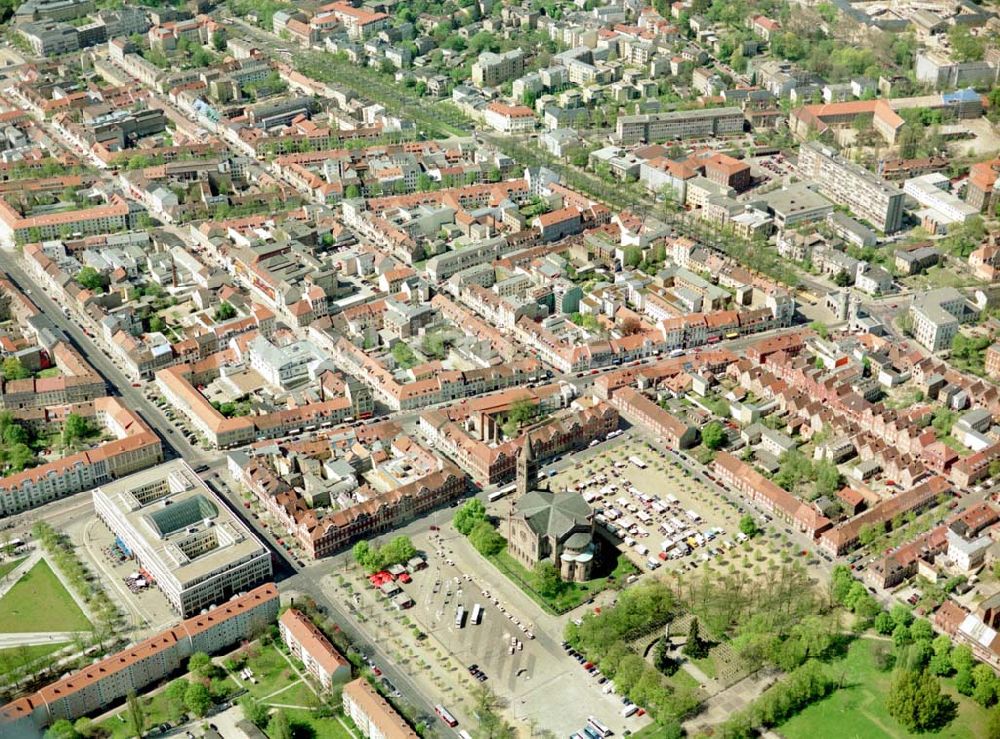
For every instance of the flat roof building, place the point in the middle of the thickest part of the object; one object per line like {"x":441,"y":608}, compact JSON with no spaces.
{"x":197,"y":552}
{"x":852,"y":186}
{"x":679,"y":124}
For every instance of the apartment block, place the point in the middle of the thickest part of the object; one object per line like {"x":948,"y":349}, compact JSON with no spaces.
{"x":680,"y":124}
{"x":936,"y":317}
{"x":311,"y":646}
{"x":102,"y":684}
{"x":372,"y":714}
{"x":852,"y":186}
{"x":492,"y":69}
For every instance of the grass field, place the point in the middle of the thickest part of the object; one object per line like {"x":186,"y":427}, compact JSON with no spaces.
{"x":27,"y":654}
{"x":155,"y":708}
{"x":272,"y":672}
{"x":304,"y":724}
{"x":39,"y":602}
{"x":858,"y":710}
{"x":298,"y":694}
{"x":6,"y":567}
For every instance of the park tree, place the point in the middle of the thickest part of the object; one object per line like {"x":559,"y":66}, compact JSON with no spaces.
{"x":254,"y":711}
{"x":993,"y":723}
{"x":961,"y":658}
{"x":198,"y":662}
{"x":62,"y":729}
{"x":136,"y":715}
{"x":175,"y":694}
{"x":13,"y":369}
{"x":915,"y":700}
{"x":985,"y":692}
{"x":548,"y":580}
{"x":91,"y":279}
{"x":921,"y":630}
{"x":884,"y":623}
{"x":695,"y":647}
{"x":197,"y":699}
{"x":901,"y":615}
{"x":901,"y":636}
{"x":713,"y":435}
{"x":748,"y":526}
{"x":486,"y":540}
{"x":965,"y":683}
{"x":279,"y":727}
{"x":472,"y":512}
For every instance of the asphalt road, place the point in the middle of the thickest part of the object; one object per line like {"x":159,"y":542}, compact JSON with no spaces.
{"x":174,"y":445}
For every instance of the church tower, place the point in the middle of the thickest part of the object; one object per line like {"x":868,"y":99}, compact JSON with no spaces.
{"x":527,"y":469}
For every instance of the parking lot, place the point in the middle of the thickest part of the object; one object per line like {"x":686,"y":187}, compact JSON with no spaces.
{"x":654,"y":506}
{"x":513,"y":648}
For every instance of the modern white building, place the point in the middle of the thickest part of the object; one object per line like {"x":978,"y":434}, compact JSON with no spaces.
{"x":196,"y":551}
{"x":941,"y":207}
{"x":284,"y":366}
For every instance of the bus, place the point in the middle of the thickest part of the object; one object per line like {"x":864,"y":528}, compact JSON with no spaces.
{"x":443,"y":714}
{"x":638,"y":462}
{"x":464,"y":734}
{"x":460,"y":617}
{"x":733,"y":335}
{"x":477,"y":615}
{"x":598,"y":726}
{"x":502,"y":492}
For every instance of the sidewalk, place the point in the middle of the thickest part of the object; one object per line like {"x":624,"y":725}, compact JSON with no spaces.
{"x":11,"y":578}
{"x":32,"y":638}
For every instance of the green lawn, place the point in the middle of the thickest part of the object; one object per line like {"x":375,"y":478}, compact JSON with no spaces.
{"x":683,"y":679}
{"x":26,"y":655}
{"x":573,"y":593}
{"x":858,"y":711}
{"x":155,"y":709}
{"x":50,"y":372}
{"x":307,"y":726}
{"x":272,"y":672}
{"x":39,"y":602}
{"x":6,"y":567}
{"x":299,"y":694}
{"x":706,"y":665}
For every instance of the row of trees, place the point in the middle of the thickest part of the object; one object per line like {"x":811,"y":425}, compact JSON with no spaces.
{"x":471,"y":520}
{"x":372,"y":559}
{"x":605,"y":639}
{"x":60,"y":550}
{"x":803,"y":686}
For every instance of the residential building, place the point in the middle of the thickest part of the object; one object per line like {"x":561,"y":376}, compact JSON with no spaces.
{"x":639,"y":409}
{"x":313,"y":649}
{"x":680,"y":124}
{"x":490,"y":69}
{"x":937,"y":315}
{"x":106,"y":682}
{"x":850,"y":185}
{"x":372,"y":714}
